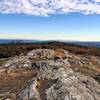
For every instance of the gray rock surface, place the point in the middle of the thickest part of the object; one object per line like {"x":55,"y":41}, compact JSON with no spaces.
{"x":69,"y":86}
{"x":18,"y":62}
{"x":73,"y":86}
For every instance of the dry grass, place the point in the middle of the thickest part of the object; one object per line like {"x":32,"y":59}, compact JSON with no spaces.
{"x":43,"y":85}
{"x":11,"y":81}
{"x":10,"y":50}
{"x":59,"y":52}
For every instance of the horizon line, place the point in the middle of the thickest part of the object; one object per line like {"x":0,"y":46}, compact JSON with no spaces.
{"x":58,"y":40}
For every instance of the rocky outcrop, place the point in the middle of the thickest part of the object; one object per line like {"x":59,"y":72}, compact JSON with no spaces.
{"x":69,"y":86}
{"x":61,"y":76}
{"x":73,"y":86}
{"x":39,"y":58}
{"x":18,"y":62}
{"x":41,"y":53}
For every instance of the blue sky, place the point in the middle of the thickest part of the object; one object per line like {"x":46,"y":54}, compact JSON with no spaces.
{"x":72,"y":25}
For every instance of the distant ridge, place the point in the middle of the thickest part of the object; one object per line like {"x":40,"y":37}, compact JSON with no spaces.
{"x":81,"y":43}
{"x":90,"y":44}
{"x":7,"y":41}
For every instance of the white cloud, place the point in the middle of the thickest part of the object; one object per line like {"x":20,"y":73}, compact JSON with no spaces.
{"x":46,"y":7}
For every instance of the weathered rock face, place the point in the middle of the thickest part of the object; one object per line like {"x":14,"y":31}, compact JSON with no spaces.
{"x":69,"y":86}
{"x":29,"y":92}
{"x":61,"y":76}
{"x":73,"y":86}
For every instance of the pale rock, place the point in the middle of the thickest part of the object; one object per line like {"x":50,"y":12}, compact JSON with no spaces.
{"x":41,"y":53}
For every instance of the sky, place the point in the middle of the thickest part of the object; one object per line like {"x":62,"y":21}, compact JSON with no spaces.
{"x":50,"y":19}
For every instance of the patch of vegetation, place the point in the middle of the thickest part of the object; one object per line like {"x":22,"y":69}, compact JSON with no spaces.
{"x":10,"y":50}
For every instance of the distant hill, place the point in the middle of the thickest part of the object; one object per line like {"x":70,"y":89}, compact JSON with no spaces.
{"x":90,"y":44}
{"x":7,"y":41}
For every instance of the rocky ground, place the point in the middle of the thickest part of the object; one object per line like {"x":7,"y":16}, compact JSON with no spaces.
{"x":50,"y":74}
